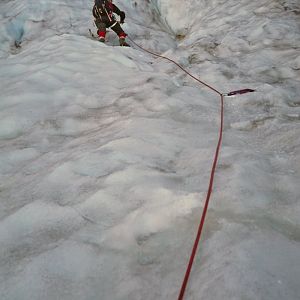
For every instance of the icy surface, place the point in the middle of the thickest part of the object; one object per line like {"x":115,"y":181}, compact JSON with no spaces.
{"x":105,"y":152}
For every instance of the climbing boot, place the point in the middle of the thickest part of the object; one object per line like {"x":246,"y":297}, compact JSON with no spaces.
{"x":123,"y":42}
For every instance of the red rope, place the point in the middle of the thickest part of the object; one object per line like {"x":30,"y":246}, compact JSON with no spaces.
{"x":178,"y":65}
{"x":212,"y":174}
{"x":211,"y":181}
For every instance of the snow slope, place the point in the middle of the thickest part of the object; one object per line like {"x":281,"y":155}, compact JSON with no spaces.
{"x":105,"y":152}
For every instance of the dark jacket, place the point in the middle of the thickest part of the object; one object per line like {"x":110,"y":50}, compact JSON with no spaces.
{"x":104,"y":10}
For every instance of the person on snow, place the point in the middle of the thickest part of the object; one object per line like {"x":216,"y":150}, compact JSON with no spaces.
{"x":103,"y":12}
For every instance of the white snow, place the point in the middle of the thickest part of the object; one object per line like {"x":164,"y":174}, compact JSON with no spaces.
{"x":105,"y":152}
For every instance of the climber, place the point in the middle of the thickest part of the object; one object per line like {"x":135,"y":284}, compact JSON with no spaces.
{"x":103,"y":12}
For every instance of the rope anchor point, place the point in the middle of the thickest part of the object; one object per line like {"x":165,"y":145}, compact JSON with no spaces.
{"x":238,"y":92}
